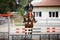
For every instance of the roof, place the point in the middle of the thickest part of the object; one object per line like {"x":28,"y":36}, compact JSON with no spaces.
{"x":47,"y":3}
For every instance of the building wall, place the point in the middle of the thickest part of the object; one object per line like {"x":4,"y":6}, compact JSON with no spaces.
{"x":45,"y":10}
{"x":45,"y":19}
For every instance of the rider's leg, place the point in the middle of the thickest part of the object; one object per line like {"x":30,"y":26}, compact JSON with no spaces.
{"x":34,"y":19}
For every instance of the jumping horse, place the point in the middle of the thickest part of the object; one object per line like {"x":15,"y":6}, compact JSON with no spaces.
{"x":29,"y":20}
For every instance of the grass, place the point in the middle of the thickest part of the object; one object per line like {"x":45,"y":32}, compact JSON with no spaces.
{"x":16,"y":21}
{"x":18,"y":24}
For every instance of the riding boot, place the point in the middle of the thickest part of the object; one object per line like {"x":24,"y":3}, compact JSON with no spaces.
{"x":34,"y":20}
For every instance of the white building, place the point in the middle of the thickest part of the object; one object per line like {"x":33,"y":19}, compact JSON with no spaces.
{"x":47,"y":14}
{"x":47,"y":9}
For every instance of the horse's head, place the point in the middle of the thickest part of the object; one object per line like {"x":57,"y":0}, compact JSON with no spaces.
{"x":29,"y":11}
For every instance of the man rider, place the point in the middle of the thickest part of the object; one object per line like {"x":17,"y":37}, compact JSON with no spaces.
{"x":27,"y":6}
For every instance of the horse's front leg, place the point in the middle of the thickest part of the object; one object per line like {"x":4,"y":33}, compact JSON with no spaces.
{"x":24,"y":19}
{"x":31,"y":18}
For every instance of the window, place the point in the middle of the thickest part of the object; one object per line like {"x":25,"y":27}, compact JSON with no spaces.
{"x":56,"y":14}
{"x":53,"y":14}
{"x":37,"y":14}
{"x":40,"y":14}
{"x":49,"y":14}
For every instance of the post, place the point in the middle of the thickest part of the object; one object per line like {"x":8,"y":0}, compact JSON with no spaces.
{"x":8,"y":27}
{"x":40,"y":37}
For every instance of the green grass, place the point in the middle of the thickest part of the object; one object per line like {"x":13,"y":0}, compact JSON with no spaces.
{"x":17,"y":21}
{"x":18,"y":24}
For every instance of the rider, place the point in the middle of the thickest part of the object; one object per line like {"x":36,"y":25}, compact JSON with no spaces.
{"x":27,"y":6}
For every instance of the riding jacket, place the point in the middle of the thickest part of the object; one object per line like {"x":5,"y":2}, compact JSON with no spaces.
{"x":27,"y":6}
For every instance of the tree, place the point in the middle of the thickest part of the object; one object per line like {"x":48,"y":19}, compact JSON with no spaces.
{"x":21,"y":8}
{"x":6,"y":5}
{"x":11,"y":5}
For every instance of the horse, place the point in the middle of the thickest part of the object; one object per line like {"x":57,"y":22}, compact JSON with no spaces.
{"x":28,"y":19}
